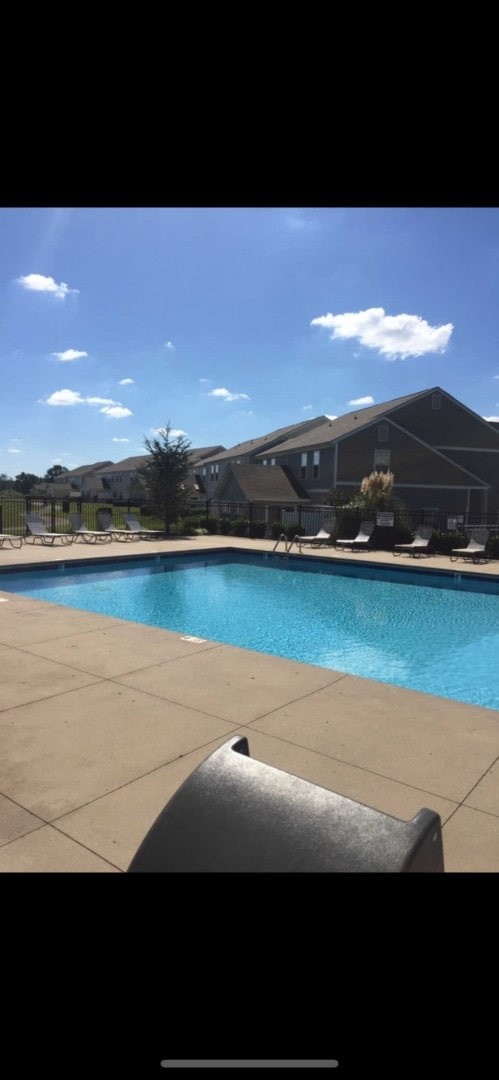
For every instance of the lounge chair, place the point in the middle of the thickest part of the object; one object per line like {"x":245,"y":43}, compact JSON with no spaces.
{"x":133,"y":524}
{"x":475,"y":549}
{"x":106,"y":524}
{"x":361,"y":541}
{"x":419,"y":545}
{"x":89,"y":536}
{"x":320,"y":538}
{"x":37,"y":530}
{"x":14,"y":541}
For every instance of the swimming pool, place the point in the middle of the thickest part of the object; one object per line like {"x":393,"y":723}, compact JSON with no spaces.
{"x":427,"y":631}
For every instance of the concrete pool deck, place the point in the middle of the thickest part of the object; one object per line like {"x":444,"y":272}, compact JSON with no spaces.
{"x":101,"y":720}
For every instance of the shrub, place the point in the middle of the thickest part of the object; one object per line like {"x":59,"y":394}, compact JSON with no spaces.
{"x":239,"y":527}
{"x":211,"y":524}
{"x":258,"y":530}
{"x":444,"y":542}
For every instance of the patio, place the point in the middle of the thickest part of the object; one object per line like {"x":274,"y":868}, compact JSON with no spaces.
{"x":101,"y":720}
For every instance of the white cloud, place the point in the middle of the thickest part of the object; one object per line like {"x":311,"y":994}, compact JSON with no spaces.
{"x":495,"y":376}
{"x":114,"y":439}
{"x":221,"y":392}
{"x":307,"y":408}
{"x":73,"y":397}
{"x":126,"y":382}
{"x":330,"y":417}
{"x":368,"y":400}
{"x":392,"y":335}
{"x":298,"y":223}
{"x":169,"y":345}
{"x":65,"y":397}
{"x":494,"y":418}
{"x":13,"y":450}
{"x":40,"y":283}
{"x":209,"y":380}
{"x":175,"y":433}
{"x":69,"y":354}
{"x":116,"y":411}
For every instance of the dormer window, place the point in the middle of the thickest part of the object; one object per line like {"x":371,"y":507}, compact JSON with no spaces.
{"x":383,"y":430}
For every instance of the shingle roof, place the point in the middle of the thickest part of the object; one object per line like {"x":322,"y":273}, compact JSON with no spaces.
{"x":264,"y":483}
{"x":128,"y":464}
{"x":83,"y":469}
{"x":199,"y":454}
{"x":345,"y":425}
{"x":251,"y":445}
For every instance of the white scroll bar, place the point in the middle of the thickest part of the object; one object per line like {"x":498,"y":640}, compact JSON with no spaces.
{"x":226,"y":1064}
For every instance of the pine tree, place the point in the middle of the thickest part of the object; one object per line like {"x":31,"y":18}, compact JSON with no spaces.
{"x":166,"y":474}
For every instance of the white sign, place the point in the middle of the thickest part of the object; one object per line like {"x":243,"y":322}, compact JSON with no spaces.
{"x":385,"y":518}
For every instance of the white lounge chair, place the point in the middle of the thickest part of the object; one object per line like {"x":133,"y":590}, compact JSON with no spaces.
{"x":37,"y":530}
{"x":320,"y":538}
{"x":419,"y":545}
{"x":361,"y":541}
{"x":89,"y":536}
{"x":105,"y":521}
{"x":133,"y":524}
{"x":475,"y":549}
{"x":7,"y":538}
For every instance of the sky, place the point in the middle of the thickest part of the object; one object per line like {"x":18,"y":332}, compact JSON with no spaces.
{"x":226,"y":323}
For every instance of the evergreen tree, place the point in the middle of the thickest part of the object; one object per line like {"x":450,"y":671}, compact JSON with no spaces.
{"x":166,"y":474}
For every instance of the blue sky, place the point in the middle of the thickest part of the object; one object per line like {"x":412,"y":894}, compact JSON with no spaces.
{"x":228,"y":323}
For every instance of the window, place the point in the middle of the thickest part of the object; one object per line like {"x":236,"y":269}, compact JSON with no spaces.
{"x":303,"y":468}
{"x":381,"y":459}
{"x":272,"y":461}
{"x":436,"y":401}
{"x":383,"y":433}
{"x":316,"y":463}
{"x":264,"y":462}
{"x":204,"y":470}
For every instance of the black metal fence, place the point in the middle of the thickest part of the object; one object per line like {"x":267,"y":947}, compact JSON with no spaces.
{"x":249,"y":519}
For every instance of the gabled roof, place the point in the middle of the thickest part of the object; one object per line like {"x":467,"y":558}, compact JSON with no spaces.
{"x":82,"y":470}
{"x":331,"y":430}
{"x":263,"y":483}
{"x":205,"y":452}
{"x":129,"y":464}
{"x":266,"y":441}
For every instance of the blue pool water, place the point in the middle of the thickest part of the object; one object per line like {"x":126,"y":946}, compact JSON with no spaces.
{"x":431,"y":632}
